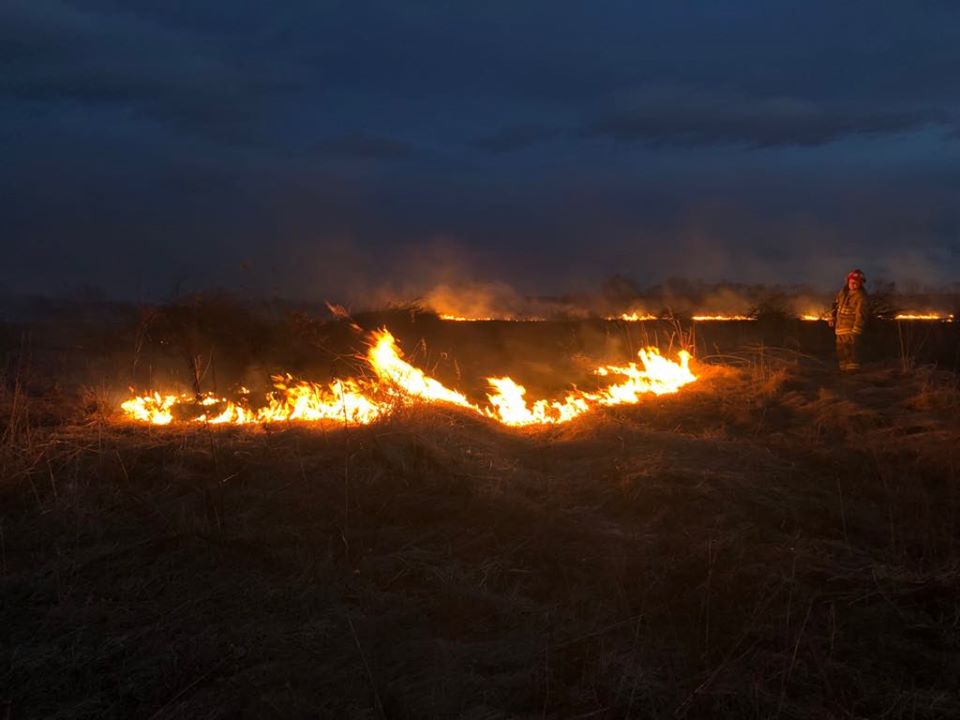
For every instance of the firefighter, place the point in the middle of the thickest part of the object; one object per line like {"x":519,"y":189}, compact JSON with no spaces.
{"x":848,"y":320}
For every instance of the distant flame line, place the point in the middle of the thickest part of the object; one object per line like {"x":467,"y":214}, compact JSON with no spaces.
{"x":716,"y":317}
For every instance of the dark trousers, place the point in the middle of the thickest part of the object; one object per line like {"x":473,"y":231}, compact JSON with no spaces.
{"x":848,"y":352}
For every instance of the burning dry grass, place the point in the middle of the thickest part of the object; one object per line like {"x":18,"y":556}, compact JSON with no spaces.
{"x":776,"y":540}
{"x":356,"y":401}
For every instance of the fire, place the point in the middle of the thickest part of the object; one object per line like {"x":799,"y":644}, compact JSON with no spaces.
{"x":342,"y":400}
{"x":384,"y":358}
{"x":509,"y":406}
{"x":635,"y":317}
{"x":924,"y":316}
{"x":639,"y":316}
{"x":504,"y":318}
{"x":461,"y":318}
{"x":658,"y":376}
{"x":155,"y":408}
{"x":397,"y":383}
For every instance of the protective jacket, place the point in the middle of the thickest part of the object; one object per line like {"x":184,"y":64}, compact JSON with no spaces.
{"x":850,"y":311}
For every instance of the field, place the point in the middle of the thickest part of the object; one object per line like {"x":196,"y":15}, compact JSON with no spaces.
{"x":777,"y":540}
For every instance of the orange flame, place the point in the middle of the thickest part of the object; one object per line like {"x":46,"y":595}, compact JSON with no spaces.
{"x":640,"y":316}
{"x":635,"y":317}
{"x":461,"y":318}
{"x":360,"y":402}
{"x":385,"y":359}
{"x":923,"y":316}
{"x":720,"y":318}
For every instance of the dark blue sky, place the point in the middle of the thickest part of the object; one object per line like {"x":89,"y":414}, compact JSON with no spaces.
{"x":333,"y":149}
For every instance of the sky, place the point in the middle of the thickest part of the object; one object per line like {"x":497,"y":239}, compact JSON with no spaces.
{"x":342,"y":150}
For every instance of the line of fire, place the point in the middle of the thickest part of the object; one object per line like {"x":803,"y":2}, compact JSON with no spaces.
{"x":387,"y":380}
{"x":396,"y":382}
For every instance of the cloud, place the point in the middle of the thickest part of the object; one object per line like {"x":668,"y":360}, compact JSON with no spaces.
{"x":689,"y":118}
{"x":56,"y":54}
{"x":367,"y":147}
{"x":554,"y":140}
{"x":513,"y":138}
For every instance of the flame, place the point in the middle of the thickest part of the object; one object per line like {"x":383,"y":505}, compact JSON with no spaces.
{"x":341,"y":400}
{"x":461,"y":318}
{"x":640,"y":316}
{"x":385,"y":359}
{"x":720,"y":318}
{"x":504,"y":318}
{"x":635,"y":317}
{"x":362,"y":401}
{"x":658,"y":376}
{"x":923,"y":316}
{"x":155,"y":408}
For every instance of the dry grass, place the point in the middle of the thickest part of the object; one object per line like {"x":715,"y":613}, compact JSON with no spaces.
{"x":777,"y":542}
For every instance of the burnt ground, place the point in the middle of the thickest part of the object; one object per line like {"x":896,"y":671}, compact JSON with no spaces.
{"x":775,"y":541}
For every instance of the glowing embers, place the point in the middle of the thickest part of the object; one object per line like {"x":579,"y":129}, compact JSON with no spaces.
{"x":398,"y":383}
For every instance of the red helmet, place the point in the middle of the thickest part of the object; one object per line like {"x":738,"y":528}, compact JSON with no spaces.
{"x":857,"y":275}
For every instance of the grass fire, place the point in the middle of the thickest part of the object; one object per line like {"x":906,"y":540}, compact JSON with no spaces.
{"x":670,"y":518}
{"x":479,"y":361}
{"x":398,"y":382}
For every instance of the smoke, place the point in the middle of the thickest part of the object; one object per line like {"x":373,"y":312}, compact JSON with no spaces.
{"x":478,"y":300}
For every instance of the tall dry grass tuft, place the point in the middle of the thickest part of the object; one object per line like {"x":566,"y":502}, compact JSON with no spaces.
{"x":16,"y":440}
